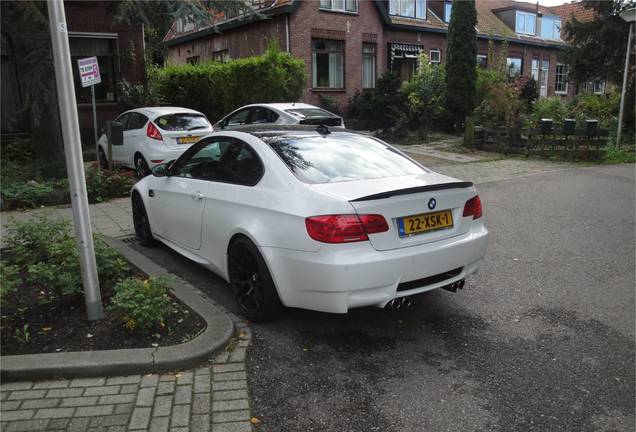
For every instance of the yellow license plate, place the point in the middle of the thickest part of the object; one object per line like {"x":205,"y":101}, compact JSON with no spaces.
{"x":188,"y":140}
{"x":426,"y":222}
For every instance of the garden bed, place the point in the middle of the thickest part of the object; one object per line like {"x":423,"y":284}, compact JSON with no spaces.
{"x":43,"y":307}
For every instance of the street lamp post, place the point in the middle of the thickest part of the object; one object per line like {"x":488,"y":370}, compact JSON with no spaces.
{"x":629,"y":15}
{"x":74,"y":162}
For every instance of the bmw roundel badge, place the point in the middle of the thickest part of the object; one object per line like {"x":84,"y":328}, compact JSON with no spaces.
{"x":432,"y":203}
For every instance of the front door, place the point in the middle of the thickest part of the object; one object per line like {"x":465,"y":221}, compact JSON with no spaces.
{"x":543,"y":85}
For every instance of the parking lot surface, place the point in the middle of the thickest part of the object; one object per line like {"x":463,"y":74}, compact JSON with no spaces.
{"x":541,"y":339}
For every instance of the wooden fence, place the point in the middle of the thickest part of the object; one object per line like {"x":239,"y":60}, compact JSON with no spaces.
{"x":576,"y":145}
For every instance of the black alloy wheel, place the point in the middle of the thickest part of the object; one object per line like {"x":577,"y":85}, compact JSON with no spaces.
{"x":143,"y":233}
{"x":252,"y":283}
{"x":141,"y":166}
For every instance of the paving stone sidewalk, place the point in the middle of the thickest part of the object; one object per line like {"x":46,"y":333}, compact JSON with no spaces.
{"x":212,"y":398}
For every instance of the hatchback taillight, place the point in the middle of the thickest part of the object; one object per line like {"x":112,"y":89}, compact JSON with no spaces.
{"x":153,"y":132}
{"x":345,"y":228}
{"x":473,"y":208}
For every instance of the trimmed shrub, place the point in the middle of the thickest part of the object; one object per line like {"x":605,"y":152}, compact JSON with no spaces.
{"x":554,"y":108}
{"x":142,"y":304}
{"x":217,"y":88}
{"x":603,"y":108}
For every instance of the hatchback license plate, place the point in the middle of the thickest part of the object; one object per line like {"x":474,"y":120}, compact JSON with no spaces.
{"x":188,"y":140}
{"x":418,"y":224}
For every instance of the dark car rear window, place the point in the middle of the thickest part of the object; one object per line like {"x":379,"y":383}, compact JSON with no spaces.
{"x":309,"y":112}
{"x":182,"y":122}
{"x":341,"y":157}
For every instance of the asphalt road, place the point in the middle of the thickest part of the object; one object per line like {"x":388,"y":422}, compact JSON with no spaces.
{"x":542,"y":339}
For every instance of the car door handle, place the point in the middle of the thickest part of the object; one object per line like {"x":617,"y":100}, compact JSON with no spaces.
{"x":151,"y":193}
{"x":197,"y":195}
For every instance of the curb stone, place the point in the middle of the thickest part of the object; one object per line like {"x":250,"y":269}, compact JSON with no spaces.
{"x":219,"y":330}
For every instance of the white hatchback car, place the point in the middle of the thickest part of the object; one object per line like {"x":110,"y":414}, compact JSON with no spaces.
{"x":315,"y":219}
{"x":153,"y":136}
{"x":279,"y":114}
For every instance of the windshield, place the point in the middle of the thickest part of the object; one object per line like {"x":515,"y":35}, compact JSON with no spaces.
{"x":309,"y":112}
{"x":182,"y":122}
{"x":343,"y":157}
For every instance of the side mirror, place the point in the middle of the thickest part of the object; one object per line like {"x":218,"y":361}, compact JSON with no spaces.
{"x":161,"y":170}
{"x":115,"y":132}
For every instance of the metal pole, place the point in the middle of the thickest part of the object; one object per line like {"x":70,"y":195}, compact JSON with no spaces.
{"x":95,"y":120}
{"x":625,"y":73}
{"x":74,"y":162}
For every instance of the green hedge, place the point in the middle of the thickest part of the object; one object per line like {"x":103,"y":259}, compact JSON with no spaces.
{"x":217,"y":88}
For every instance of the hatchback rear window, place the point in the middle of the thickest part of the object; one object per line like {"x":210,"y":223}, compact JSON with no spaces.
{"x":182,"y":122}
{"x":341,"y":157}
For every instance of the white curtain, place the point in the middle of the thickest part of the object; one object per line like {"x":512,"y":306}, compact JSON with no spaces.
{"x":335,"y":70}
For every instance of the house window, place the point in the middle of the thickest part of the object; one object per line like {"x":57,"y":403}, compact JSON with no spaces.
{"x":448,"y":7}
{"x":192,"y":60}
{"x":482,"y":61}
{"x":561,"y":81}
{"x":551,"y":28}
{"x":368,"y":65}
{"x":599,"y":86}
{"x":408,"y":8}
{"x":526,"y":23}
{"x":104,"y":50}
{"x":340,"y":5}
{"x":327,"y":64}
{"x":222,"y":56}
{"x":534,"y":70}
{"x":435,"y":56}
{"x":514,"y":67}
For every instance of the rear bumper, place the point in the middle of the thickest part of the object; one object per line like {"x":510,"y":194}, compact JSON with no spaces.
{"x":341,"y":277}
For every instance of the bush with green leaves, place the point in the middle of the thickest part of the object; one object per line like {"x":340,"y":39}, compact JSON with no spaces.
{"x":104,"y":184}
{"x":555,"y":108}
{"x":603,"y":108}
{"x":143,"y":304}
{"x":498,"y":101}
{"x":382,"y":107}
{"x":216,"y":88}
{"x":47,"y":250}
{"x":426,"y":94}
{"x":9,"y":280}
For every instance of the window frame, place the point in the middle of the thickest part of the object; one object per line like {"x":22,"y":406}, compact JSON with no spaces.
{"x":395,"y":8}
{"x":553,"y":19}
{"x":439,"y":55}
{"x":206,"y":141}
{"x":124,"y":124}
{"x":375,"y":62}
{"x":479,"y":62}
{"x":520,"y":66}
{"x":564,"y":76}
{"x":322,"y":5}
{"x":115,"y":70}
{"x":269,"y":111}
{"x":447,"y":11}
{"x":525,"y":15}
{"x":134,"y":115}
{"x":314,"y":78}
{"x":226,"y":120}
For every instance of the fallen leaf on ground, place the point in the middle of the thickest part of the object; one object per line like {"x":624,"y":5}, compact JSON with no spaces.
{"x":255,"y":421}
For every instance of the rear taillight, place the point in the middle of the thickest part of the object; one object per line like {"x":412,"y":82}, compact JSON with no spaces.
{"x":473,"y":208}
{"x":344,"y":228}
{"x":153,"y":132}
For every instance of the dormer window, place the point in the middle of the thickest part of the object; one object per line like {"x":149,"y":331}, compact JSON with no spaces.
{"x":408,"y":8}
{"x":448,"y":8}
{"x":526,"y":23}
{"x":551,"y":27}
{"x":340,"y":5}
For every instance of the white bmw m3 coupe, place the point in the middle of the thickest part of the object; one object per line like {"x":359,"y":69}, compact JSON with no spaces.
{"x":311,"y":218}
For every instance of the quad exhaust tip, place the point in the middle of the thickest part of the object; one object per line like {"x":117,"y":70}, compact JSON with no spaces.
{"x":399,"y":303}
{"x":455,"y":286}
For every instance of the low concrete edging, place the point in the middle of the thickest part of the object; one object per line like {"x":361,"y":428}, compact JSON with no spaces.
{"x":131,"y":361}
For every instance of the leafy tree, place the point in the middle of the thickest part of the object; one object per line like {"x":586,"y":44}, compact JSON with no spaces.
{"x":462,"y":60}
{"x":597,"y":48}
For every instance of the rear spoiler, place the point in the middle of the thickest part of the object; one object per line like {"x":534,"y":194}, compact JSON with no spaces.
{"x":416,"y":189}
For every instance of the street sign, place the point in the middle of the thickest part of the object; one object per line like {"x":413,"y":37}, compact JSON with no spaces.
{"x":89,"y":71}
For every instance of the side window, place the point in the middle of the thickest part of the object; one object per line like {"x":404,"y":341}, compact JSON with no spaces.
{"x":123,"y":119}
{"x":240,"y":165}
{"x":224,"y":160}
{"x":262,"y":115}
{"x":238,"y":118}
{"x":202,"y":161}
{"x":137,"y":121}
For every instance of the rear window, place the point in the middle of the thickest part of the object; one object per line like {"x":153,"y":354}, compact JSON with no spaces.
{"x":182,"y":122}
{"x":340,"y":158}
{"x":303,"y":113}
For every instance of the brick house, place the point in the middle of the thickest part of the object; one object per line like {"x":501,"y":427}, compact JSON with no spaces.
{"x":92,"y":32}
{"x":347,"y":44}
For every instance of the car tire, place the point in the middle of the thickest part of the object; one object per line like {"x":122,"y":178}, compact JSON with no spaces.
{"x":143,"y":233}
{"x":141,"y":166}
{"x":252,"y":282}
{"x":103,"y":160}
